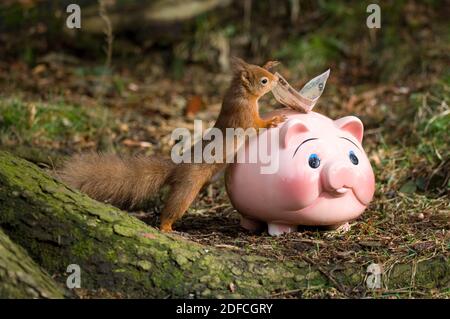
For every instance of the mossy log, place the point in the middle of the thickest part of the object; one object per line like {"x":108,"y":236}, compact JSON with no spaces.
{"x":21,"y":277}
{"x":59,"y":226}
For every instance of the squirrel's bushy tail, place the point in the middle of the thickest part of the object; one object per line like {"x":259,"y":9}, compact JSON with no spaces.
{"x":123,"y":182}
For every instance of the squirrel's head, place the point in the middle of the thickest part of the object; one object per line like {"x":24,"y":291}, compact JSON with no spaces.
{"x":255,"y":79}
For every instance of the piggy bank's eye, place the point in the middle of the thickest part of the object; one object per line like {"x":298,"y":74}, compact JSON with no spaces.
{"x":353,"y":158}
{"x":314,"y":161}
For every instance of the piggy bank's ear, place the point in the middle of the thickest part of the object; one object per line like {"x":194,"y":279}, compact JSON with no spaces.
{"x":290,"y":129}
{"x":351,"y":124}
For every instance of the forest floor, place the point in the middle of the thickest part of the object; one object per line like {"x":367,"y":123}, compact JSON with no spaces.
{"x":62,"y":106}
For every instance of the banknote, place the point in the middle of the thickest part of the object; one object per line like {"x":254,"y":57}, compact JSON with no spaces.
{"x":314,"y":88}
{"x":304,"y":100}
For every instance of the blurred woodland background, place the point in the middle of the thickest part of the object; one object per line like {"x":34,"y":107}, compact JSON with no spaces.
{"x":136,"y":70}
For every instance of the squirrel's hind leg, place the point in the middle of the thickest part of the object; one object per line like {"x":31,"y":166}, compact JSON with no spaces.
{"x":183,"y":192}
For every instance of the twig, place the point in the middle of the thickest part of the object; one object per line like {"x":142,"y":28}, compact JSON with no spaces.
{"x":326,"y":274}
{"x":108,"y":50}
{"x":108,"y":32}
{"x":286,"y":292}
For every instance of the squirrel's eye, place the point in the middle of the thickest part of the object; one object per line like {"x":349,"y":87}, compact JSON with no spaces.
{"x":264,"y":80}
{"x":353,"y":158}
{"x":314,"y":161}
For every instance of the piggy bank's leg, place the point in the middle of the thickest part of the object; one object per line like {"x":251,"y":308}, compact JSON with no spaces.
{"x":251,"y":224}
{"x":279,"y":229}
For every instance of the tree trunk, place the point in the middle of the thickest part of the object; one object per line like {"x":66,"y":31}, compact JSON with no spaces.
{"x":20,"y":277}
{"x":59,"y":226}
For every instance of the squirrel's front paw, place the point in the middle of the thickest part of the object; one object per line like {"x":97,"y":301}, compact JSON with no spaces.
{"x":274,"y":121}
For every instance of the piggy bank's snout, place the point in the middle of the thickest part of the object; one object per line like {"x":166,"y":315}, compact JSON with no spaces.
{"x":337,"y":178}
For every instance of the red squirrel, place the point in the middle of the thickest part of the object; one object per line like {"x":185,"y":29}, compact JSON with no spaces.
{"x":129,"y":182}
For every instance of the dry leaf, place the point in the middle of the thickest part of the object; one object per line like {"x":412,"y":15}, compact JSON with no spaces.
{"x":194,"y":105}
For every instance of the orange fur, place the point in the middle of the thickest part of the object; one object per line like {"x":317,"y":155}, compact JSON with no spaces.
{"x":128,"y":182}
{"x":123,"y":182}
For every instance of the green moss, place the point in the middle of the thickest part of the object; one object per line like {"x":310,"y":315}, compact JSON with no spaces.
{"x":83,"y":249}
{"x":21,"y":277}
{"x":144,"y":264}
{"x":400,"y":277}
{"x":124,"y":230}
{"x":45,"y":123}
{"x":106,"y":215}
{"x":433,"y":274}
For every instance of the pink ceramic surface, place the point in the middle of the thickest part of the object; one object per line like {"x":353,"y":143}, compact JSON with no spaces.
{"x":323,"y":178}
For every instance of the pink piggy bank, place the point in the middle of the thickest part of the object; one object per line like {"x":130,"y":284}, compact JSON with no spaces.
{"x":321,"y":175}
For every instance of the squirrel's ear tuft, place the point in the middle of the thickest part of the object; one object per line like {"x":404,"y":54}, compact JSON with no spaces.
{"x":270,"y":64}
{"x":238,"y":65}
